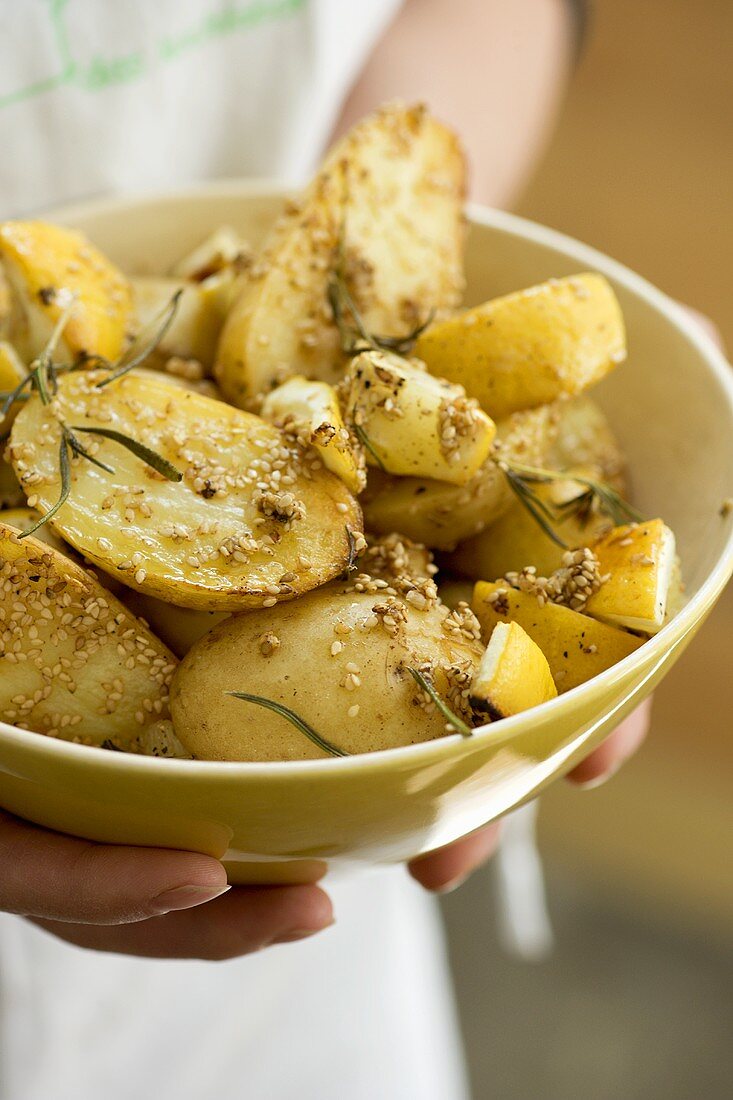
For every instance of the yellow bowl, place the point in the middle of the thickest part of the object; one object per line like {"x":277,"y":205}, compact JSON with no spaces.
{"x":672,"y":406}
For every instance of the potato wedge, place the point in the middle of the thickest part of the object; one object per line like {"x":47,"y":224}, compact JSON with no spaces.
{"x":395,"y":184}
{"x":576,"y":646}
{"x":311,"y":410}
{"x":585,"y":439}
{"x":412,"y":423}
{"x":441,"y":515}
{"x":250,"y":523}
{"x":195,"y":329}
{"x":222,"y":249}
{"x":638,"y":561}
{"x":531,"y":347}
{"x":74,"y":663}
{"x":49,"y":266}
{"x":513,"y":674}
{"x":339,"y":658}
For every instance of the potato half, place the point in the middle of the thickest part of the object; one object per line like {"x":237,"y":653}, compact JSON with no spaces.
{"x":442,"y":515}
{"x":74,"y":663}
{"x":412,"y":423}
{"x":250,"y":523}
{"x":395,"y":185}
{"x":339,"y":658}
{"x":531,"y":347}
{"x":48,"y":267}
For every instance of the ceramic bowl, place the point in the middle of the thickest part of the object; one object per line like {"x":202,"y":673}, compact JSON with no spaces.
{"x":672,"y":406}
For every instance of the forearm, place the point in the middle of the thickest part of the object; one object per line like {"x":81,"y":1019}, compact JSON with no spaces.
{"x":493,"y":71}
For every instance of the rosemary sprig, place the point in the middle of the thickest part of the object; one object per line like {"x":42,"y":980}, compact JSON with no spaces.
{"x":140,"y":450}
{"x":422,"y":681}
{"x":144,"y":343}
{"x":297,"y":721}
{"x":65,"y":474}
{"x":522,"y":479}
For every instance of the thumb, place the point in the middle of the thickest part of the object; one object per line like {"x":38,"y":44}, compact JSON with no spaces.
{"x":47,"y":875}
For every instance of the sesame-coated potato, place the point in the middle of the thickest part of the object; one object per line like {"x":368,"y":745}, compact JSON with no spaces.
{"x":440,"y":514}
{"x":412,"y":423}
{"x":74,"y":662}
{"x":254,"y":520}
{"x":339,"y":658}
{"x":394,"y":188}
{"x":530,"y":347}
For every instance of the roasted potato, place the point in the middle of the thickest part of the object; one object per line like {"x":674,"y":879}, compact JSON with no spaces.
{"x":531,"y":347}
{"x":311,"y":411}
{"x":48,"y":268}
{"x":195,"y":329}
{"x":412,"y":423}
{"x":442,"y":515}
{"x":250,"y":523}
{"x":339,"y":659}
{"x":513,"y":674}
{"x":584,"y":439}
{"x":223,"y":249}
{"x":576,"y":646}
{"x":178,"y":627}
{"x":638,"y":561}
{"x":74,"y":662}
{"x":12,"y":372}
{"x":390,"y":194}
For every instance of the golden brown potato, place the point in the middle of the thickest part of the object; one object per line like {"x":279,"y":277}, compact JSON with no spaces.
{"x":576,"y":646}
{"x":584,"y":438}
{"x":531,"y":347}
{"x":311,"y":410}
{"x":250,"y":523}
{"x":74,"y":663}
{"x":223,"y":249}
{"x":412,"y":423}
{"x":339,"y":658}
{"x":442,"y":515}
{"x":198,"y":320}
{"x":49,"y":267}
{"x":395,"y":184}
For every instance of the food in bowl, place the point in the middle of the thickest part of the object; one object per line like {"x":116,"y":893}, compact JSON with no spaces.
{"x":245,"y":491}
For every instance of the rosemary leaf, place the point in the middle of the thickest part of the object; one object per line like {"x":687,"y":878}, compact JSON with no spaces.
{"x":366,"y":442}
{"x":65,"y":473}
{"x":297,"y":721}
{"x":144,"y":343}
{"x":458,"y":724}
{"x":82,"y":452}
{"x":533,"y":505}
{"x":17,"y":394}
{"x":146,"y":454}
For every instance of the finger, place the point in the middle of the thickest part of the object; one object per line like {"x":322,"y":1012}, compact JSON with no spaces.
{"x":244,"y":920}
{"x":45,"y":874}
{"x":606,"y":760}
{"x":447,"y":868}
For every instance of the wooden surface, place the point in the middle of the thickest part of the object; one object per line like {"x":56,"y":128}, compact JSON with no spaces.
{"x":642,"y":168}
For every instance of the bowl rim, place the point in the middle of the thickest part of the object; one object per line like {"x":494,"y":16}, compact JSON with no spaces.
{"x":651,"y":650}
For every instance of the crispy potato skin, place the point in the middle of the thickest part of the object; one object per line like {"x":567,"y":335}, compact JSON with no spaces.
{"x":46,"y":264}
{"x":303,"y":673}
{"x":124,"y":522}
{"x":92,"y":670}
{"x":441,"y":515}
{"x":404,"y":412}
{"x":530,"y":347}
{"x":396,"y":183}
{"x":576,"y":646}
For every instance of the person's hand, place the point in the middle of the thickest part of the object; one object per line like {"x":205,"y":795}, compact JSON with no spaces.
{"x":146,"y":901}
{"x":448,"y":867}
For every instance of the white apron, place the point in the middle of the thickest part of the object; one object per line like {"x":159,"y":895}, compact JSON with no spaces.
{"x":98,"y":96}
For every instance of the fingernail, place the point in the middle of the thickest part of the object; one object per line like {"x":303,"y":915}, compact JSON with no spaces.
{"x":453,"y":884}
{"x":186,"y":897}
{"x":301,"y":933}
{"x":598,"y":780}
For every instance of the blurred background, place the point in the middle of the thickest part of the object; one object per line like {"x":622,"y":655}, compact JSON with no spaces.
{"x":639,"y":871}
